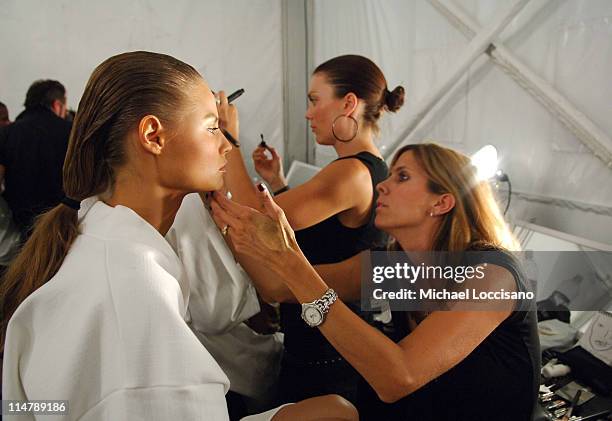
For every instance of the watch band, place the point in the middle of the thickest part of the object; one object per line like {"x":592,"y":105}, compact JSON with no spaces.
{"x":325,"y":302}
{"x":322,"y":305}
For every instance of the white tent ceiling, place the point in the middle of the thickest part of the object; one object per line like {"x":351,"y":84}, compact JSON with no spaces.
{"x":547,"y":134}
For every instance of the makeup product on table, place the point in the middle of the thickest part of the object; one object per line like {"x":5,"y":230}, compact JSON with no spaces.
{"x":556,"y":404}
{"x":568,"y":414}
{"x":568,"y":392}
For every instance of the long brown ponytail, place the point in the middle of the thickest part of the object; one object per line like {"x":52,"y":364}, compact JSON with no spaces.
{"x":120,"y":91}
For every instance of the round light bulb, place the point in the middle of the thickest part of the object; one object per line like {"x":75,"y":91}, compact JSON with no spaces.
{"x":485,"y":161}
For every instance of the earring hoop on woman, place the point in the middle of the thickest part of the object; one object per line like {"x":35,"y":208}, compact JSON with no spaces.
{"x":334,"y":128}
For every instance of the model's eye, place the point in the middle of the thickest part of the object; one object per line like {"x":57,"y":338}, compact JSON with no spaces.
{"x":403,"y":176}
{"x":212,"y":130}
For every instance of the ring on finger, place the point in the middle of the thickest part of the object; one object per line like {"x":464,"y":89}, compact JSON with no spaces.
{"x":225,"y":230}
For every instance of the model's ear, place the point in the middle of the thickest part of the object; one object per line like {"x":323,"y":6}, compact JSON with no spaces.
{"x":151,"y":135}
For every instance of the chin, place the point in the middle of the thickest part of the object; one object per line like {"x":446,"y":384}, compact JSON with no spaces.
{"x":211,"y":184}
{"x":384,"y":224}
{"x":217,"y":186}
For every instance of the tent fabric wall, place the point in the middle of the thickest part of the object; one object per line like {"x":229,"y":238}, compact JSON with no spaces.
{"x":567,"y":43}
{"x":253,"y":44}
{"x":233,"y":44}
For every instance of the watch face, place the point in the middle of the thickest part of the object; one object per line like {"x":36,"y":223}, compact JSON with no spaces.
{"x":313,"y":316}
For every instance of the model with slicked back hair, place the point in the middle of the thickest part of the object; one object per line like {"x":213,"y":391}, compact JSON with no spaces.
{"x":121,"y":90}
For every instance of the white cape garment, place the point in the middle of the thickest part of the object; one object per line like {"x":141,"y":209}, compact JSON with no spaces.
{"x":107,"y":332}
{"x":221,"y":297}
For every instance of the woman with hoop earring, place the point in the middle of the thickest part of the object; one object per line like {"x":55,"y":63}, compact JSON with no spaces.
{"x":332,"y":214}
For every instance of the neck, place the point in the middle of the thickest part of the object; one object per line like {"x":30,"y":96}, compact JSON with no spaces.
{"x":153,"y":203}
{"x":418,"y":238}
{"x":362,"y":142}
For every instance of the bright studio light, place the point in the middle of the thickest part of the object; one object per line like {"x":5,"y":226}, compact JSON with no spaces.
{"x":485,"y":161}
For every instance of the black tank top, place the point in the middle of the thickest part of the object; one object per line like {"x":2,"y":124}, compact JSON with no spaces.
{"x":497,"y":381}
{"x":329,"y":242}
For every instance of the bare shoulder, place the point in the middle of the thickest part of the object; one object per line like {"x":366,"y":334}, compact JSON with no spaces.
{"x":346,"y":173}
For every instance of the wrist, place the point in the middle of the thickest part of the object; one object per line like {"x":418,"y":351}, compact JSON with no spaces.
{"x":281,"y":190}
{"x":289,"y":263}
{"x":300,"y":277}
{"x":278,"y":183}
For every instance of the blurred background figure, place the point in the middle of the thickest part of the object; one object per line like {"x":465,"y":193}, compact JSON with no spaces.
{"x":32,"y":152}
{"x":70,"y":114}
{"x":4,"y":115}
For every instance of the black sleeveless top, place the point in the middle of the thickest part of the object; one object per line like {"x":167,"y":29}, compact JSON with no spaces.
{"x":329,"y":242}
{"x":499,"y":380}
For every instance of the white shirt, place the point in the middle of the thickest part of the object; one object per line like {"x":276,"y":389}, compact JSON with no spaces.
{"x":221,"y":297}
{"x":221,"y":294}
{"x":107,"y":332}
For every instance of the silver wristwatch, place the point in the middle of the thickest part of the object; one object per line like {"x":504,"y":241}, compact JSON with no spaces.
{"x":314,"y":313}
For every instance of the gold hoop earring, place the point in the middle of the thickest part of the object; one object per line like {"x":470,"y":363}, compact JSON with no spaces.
{"x":334,"y":127}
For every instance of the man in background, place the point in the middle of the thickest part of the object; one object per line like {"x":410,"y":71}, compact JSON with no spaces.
{"x":32,"y":152}
{"x":4,"y":115}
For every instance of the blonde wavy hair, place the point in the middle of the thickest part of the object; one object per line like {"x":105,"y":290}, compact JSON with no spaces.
{"x":476,"y":222}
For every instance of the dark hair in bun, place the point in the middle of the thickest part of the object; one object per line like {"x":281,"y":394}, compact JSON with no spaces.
{"x":361,"y":76}
{"x":394,"y":99}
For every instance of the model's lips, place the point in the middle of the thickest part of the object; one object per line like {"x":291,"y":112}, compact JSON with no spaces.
{"x":222,"y":169}
{"x":380,"y":205}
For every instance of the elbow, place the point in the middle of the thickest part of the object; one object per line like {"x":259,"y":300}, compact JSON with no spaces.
{"x":396,"y":387}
